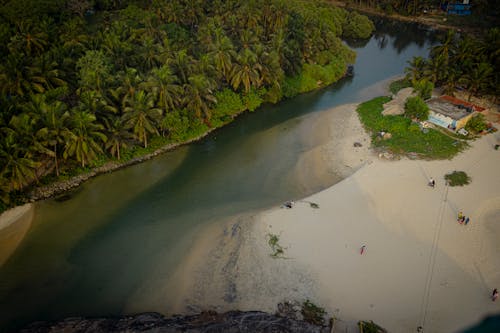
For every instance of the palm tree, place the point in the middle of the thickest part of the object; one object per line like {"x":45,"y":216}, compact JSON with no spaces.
{"x":28,"y":39}
{"x":222,"y":53}
{"x":84,"y":136}
{"x":141,"y":116}
{"x":477,"y":78}
{"x":415,"y":71}
{"x":199,"y":95}
{"x":13,"y":76}
{"x":17,"y":165}
{"x":117,"y":136}
{"x":44,"y":74}
{"x":444,"y":49}
{"x":164,"y":84}
{"x":435,"y":69}
{"x":54,"y":128}
{"x":183,"y":65}
{"x":246,"y":71}
{"x":451,"y":81}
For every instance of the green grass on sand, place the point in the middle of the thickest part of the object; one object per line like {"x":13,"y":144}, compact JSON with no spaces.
{"x":407,"y":137}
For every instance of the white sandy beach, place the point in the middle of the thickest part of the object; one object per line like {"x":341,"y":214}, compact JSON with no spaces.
{"x":420,"y":266}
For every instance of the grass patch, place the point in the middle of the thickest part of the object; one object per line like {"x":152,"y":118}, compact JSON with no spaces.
{"x":370,"y":327}
{"x":457,"y":178}
{"x":312,"y":313}
{"x":397,"y":85}
{"x":406,"y":136}
{"x":278,"y":250}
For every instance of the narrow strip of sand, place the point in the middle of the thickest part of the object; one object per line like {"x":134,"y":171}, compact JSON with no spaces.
{"x":14,"y":223}
{"x":419,"y":267}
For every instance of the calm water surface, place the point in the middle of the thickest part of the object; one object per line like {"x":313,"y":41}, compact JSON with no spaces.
{"x":87,"y":255}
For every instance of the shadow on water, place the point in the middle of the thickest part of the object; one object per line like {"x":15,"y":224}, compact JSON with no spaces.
{"x":88,"y":254}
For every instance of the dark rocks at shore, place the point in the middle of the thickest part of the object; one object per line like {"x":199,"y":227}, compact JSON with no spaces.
{"x":233,"y":321}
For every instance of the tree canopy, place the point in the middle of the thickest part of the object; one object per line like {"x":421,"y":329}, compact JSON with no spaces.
{"x":88,"y":80}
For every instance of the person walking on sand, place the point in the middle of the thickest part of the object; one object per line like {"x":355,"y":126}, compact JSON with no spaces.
{"x":362,"y":250}
{"x":494,"y":295}
{"x":460,"y":216}
{"x":467,"y":220}
{"x":432,"y":182}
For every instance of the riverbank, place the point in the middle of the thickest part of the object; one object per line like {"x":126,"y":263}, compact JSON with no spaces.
{"x":438,"y":21}
{"x":14,"y":224}
{"x":419,"y":267}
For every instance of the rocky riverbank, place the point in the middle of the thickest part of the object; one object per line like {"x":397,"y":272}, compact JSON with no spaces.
{"x":60,"y":187}
{"x":233,"y":321}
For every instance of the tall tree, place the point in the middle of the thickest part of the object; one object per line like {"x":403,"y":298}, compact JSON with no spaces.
{"x":83,"y":140}
{"x":199,"y":96}
{"x":164,"y":84}
{"x":141,"y":116}
{"x":477,"y":78}
{"x":246,"y":71}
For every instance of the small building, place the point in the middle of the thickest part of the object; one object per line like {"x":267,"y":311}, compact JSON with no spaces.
{"x":450,"y":112}
{"x":461,"y":8}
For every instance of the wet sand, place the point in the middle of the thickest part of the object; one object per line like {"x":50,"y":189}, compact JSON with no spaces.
{"x":420,"y":266}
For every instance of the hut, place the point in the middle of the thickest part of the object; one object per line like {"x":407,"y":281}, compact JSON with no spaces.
{"x":450,"y":112}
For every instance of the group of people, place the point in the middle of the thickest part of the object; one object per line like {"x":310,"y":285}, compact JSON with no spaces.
{"x":462,"y":219}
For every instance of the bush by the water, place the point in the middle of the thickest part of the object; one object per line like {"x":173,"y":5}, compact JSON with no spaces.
{"x":406,"y":136}
{"x":476,"y":124}
{"x":358,"y":26}
{"x":457,"y":178}
{"x":415,"y":107}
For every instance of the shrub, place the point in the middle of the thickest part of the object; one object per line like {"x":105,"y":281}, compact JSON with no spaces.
{"x":397,"y":85}
{"x":228,"y":103}
{"x":476,"y":124}
{"x":312,"y":313}
{"x":358,"y":26}
{"x":370,"y":327}
{"x":424,"y":88}
{"x":415,"y":107}
{"x":457,"y":178}
{"x":252,"y":100}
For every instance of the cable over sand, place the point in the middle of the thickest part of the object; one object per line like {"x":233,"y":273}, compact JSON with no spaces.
{"x":419,"y":267}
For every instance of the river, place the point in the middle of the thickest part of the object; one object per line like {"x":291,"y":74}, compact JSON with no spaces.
{"x":87,"y":255}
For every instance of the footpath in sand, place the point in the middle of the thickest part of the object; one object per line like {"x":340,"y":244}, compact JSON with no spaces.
{"x":420,"y":266}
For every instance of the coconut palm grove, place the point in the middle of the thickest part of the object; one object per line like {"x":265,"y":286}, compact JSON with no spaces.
{"x":83,"y":82}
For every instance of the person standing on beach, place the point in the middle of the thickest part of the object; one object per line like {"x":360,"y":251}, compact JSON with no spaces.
{"x":460,"y":216}
{"x":362,"y":250}
{"x":467,"y":220}
{"x":494,"y":295}
{"x":432,"y":182}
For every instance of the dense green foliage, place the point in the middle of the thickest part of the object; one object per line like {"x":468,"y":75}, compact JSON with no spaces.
{"x":370,"y":327}
{"x":461,"y":61}
{"x":457,"y":178}
{"x":406,"y":136}
{"x":476,"y":124}
{"x":423,"y":88}
{"x":83,"y":81}
{"x":397,"y":85}
{"x":358,"y":26}
{"x":415,"y":107}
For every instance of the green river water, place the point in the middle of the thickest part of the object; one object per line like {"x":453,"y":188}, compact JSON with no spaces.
{"x":88,"y":255}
